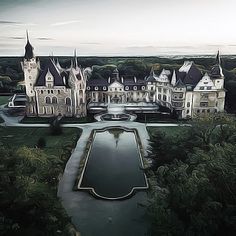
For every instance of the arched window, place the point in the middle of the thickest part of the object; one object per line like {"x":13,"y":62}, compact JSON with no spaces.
{"x":68,"y":101}
{"x":48,"y":100}
{"x":54,"y":100}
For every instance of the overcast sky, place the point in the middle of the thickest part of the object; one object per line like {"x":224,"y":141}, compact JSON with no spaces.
{"x":118,"y":27}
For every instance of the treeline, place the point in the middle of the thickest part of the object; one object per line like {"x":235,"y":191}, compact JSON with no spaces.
{"x":193,"y":179}
{"x":128,"y":66}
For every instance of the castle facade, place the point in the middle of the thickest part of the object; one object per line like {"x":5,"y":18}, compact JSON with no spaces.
{"x":53,"y":90}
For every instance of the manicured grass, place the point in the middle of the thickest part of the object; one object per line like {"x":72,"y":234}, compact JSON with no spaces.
{"x":4,"y":99}
{"x":64,"y":120}
{"x":15,"y":137}
{"x":169,"y":131}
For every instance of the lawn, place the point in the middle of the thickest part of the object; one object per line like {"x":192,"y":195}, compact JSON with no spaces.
{"x":169,"y":131}
{"x":15,"y":137}
{"x":4,"y":99}
{"x":64,"y":120}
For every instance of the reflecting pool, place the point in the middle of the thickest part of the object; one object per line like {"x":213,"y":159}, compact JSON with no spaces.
{"x":114,"y":167}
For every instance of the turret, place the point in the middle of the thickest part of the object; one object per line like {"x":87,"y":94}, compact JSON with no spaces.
{"x":30,"y":67}
{"x":217,"y":73}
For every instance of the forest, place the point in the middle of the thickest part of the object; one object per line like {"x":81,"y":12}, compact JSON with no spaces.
{"x":193,"y":178}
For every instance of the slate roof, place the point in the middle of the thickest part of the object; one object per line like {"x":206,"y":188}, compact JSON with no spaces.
{"x":215,"y":71}
{"x":58,"y":78}
{"x":192,"y":77}
{"x":28,"y":51}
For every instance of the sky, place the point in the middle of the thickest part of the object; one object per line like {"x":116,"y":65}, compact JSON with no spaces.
{"x":118,"y":27}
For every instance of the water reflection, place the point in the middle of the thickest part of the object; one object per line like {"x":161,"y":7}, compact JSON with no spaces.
{"x":116,"y":134}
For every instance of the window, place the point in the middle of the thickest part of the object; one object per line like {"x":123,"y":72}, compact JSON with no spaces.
{"x":188,"y":104}
{"x":48,"y":91}
{"x":104,"y":88}
{"x":54,"y":100}
{"x":88,"y":88}
{"x":187,"y":111}
{"x":96,"y":88}
{"x":51,"y":91}
{"x":164,"y":90}
{"x":203,"y":104}
{"x":208,"y":110}
{"x":126,"y":87}
{"x":201,"y":88}
{"x":164,"y":97}
{"x":59,"y":91}
{"x":68,"y":101}
{"x":41,"y":91}
{"x":159,"y":96}
{"x":205,"y":96}
{"x":159,"y":90}
{"x":135,"y":87}
{"x":143,"y":87}
{"x":208,"y":87}
{"x":48,"y":100}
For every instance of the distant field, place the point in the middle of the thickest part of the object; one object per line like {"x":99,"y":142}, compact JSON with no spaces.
{"x":15,"y":137}
{"x":4,"y":99}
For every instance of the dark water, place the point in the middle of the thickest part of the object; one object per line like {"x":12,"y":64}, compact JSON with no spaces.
{"x":113,"y":167}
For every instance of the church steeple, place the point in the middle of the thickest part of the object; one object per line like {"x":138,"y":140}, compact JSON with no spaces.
{"x":28,"y":48}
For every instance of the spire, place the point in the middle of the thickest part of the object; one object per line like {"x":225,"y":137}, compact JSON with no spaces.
{"x":75,"y":59}
{"x":173,"y":80}
{"x":27,"y":35}
{"x":28,"y":48}
{"x":218,"y":58}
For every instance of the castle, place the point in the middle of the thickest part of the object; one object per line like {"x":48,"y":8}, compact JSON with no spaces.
{"x":53,"y":90}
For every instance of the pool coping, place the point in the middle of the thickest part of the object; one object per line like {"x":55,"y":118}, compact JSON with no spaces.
{"x":90,"y":143}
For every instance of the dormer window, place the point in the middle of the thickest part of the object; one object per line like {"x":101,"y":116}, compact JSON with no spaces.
{"x":126,"y":87}
{"x":143,"y":87}
{"x":135,"y":87}
{"x":104,"y":88}
{"x":96,"y":88}
{"x":88,"y":88}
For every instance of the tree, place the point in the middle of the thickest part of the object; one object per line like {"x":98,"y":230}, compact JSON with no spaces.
{"x":195,"y":195}
{"x":41,"y":143}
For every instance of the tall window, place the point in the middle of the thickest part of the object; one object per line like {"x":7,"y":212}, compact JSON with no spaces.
{"x":48,"y":100}
{"x":54,"y":100}
{"x":68,"y":101}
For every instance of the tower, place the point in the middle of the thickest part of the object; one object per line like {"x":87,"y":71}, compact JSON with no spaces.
{"x":30,"y":67}
{"x":217,"y":74}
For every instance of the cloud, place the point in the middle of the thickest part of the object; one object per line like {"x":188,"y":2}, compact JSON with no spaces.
{"x":44,"y":38}
{"x":10,"y":22}
{"x":65,"y":23}
{"x":16,"y":38}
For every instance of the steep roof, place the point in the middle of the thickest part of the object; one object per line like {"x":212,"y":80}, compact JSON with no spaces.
{"x":58,"y":78}
{"x":28,"y":49}
{"x":189,"y":73}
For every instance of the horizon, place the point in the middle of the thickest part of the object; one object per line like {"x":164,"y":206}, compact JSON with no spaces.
{"x":118,"y":28}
